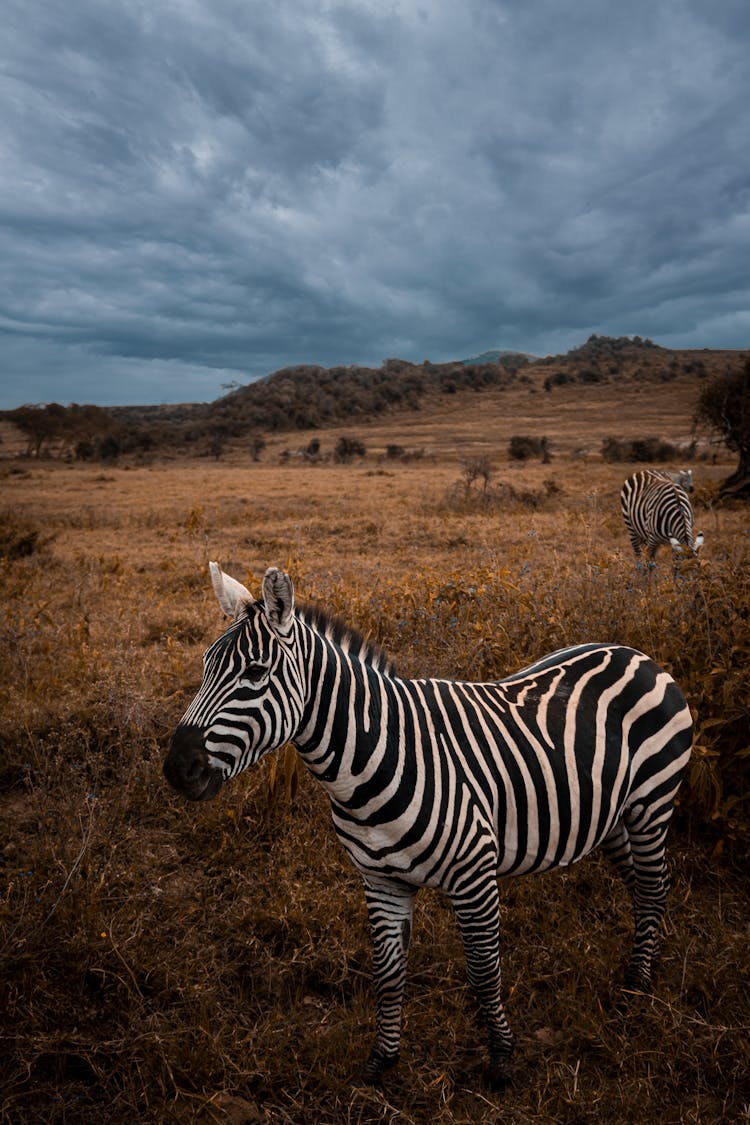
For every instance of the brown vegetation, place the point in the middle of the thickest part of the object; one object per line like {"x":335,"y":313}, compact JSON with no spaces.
{"x":165,"y":962}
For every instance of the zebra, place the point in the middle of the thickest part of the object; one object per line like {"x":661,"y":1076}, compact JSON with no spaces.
{"x":446,"y":784}
{"x":657,"y":510}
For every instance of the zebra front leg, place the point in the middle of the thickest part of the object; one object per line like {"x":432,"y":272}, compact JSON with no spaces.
{"x":478,"y":915}
{"x":389,"y":909}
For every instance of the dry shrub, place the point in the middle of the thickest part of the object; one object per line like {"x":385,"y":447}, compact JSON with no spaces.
{"x":463,"y":498}
{"x":19,"y":535}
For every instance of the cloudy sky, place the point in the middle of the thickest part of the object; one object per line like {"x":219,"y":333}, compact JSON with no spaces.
{"x":198,"y":192}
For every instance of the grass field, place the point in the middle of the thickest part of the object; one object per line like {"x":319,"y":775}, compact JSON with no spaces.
{"x":164,"y":962}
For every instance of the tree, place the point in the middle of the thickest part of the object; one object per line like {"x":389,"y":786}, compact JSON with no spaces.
{"x":476,"y":468}
{"x":41,"y":424}
{"x":724,"y":406}
{"x":66,"y":428}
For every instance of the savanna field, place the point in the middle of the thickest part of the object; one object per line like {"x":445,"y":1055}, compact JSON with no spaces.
{"x":168,"y":962}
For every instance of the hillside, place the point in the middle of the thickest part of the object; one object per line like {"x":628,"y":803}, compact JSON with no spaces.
{"x":310,"y":398}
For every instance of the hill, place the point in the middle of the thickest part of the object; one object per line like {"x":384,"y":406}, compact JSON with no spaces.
{"x":309,"y":397}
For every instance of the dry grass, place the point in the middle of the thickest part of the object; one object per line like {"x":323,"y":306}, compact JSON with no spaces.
{"x":164,"y":962}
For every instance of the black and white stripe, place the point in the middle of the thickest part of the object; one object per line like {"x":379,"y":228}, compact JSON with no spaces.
{"x":657,"y":511}
{"x":444,"y":784}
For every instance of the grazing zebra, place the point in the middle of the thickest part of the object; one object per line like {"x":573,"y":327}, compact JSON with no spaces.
{"x":435,"y":783}
{"x":656,"y":510}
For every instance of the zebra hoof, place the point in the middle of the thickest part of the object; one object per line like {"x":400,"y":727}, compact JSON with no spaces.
{"x":635,"y":985}
{"x":375,"y":1067}
{"x":497,"y":1075}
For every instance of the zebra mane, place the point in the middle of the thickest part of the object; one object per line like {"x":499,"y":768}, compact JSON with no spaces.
{"x":346,"y":638}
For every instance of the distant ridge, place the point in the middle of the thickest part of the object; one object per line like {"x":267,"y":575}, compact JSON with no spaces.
{"x":311,"y":397}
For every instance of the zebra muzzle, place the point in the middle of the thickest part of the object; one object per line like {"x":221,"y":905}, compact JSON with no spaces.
{"x":187,"y":768}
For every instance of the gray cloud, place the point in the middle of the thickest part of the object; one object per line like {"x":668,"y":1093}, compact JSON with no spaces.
{"x":194,"y":192}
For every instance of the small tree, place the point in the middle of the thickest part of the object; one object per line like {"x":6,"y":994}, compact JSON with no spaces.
{"x":476,"y":469}
{"x":724,"y":406}
{"x":257,"y":445}
{"x":217,"y":439}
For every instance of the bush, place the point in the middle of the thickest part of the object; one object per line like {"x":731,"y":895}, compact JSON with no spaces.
{"x":347,"y":448}
{"x":590,"y":375}
{"x":108,"y":448}
{"x":559,"y":379}
{"x":524,"y":448}
{"x":19,"y":537}
{"x":639,"y":449}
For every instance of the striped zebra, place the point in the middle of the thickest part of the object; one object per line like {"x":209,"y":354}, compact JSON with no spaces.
{"x":657,"y":511}
{"x":443,"y":784}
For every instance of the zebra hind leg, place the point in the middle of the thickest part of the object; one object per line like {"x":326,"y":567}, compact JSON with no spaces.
{"x":389,"y":908}
{"x":479,"y":922}
{"x":650,"y":889}
{"x":616,"y":847}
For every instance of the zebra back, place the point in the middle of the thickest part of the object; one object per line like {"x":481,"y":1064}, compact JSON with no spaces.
{"x":682,"y":477}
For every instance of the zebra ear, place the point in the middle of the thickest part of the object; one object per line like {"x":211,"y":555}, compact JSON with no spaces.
{"x":278,"y":596}
{"x":699,"y":540}
{"x":231,"y":594}
{"x":676,"y":545}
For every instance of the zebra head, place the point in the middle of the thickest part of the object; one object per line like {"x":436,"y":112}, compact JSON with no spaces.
{"x":691,"y":542}
{"x":695,"y":546}
{"x":252,"y":694}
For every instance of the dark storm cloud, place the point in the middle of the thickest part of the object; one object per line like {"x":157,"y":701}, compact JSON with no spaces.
{"x":193,"y":192}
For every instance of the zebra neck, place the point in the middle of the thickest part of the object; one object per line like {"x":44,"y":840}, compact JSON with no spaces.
{"x":341,"y":729}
